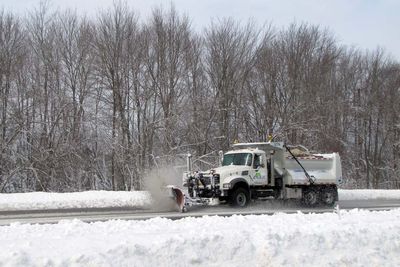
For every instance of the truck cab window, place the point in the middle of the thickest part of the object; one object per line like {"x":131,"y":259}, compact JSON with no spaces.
{"x":257,"y":161}
{"x":244,"y":159}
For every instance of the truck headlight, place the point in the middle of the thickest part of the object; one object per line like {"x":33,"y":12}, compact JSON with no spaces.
{"x":226,"y":186}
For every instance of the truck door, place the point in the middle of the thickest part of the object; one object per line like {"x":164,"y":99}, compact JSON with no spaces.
{"x":260,"y":170}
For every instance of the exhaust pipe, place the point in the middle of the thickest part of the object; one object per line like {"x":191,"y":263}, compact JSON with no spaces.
{"x":189,"y":162}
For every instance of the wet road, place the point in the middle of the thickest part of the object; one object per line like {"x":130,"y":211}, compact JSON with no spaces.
{"x":255,"y":208}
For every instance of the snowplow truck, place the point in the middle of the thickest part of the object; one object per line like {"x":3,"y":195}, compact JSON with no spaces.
{"x":267,"y":170}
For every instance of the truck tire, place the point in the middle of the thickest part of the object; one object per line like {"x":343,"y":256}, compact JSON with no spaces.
{"x":277,"y":194}
{"x":240,"y":197}
{"x":310,"y":197}
{"x":328,"y":196}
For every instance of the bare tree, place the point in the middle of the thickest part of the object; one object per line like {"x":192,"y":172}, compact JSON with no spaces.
{"x":95,"y":103}
{"x":44,"y":72}
{"x":12,"y":53}
{"x":230,"y":57}
{"x":115,"y":29}
{"x":169,"y":36}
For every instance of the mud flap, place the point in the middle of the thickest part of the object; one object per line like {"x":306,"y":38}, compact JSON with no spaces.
{"x":178,"y":196}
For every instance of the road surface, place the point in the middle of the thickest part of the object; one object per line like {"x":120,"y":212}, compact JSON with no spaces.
{"x":256,"y":208}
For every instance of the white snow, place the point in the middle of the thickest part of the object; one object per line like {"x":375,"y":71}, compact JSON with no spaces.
{"x":87,"y":199}
{"x":364,"y":194}
{"x":353,"y":238}
{"x":102,"y":199}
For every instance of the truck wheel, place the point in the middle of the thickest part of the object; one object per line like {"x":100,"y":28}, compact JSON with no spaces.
{"x":310,"y":198}
{"x":240,"y":197}
{"x":277,"y":194}
{"x":328,"y":197}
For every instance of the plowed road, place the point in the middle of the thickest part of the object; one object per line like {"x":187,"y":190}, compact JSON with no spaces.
{"x":256,"y":208}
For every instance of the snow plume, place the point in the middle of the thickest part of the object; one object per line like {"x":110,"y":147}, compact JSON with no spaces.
{"x":156,"y":181}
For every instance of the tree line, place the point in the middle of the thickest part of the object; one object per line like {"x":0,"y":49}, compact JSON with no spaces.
{"x":95,"y":103}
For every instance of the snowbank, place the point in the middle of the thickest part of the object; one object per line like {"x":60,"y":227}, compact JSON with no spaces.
{"x":103,"y":199}
{"x":364,"y":194}
{"x":88,"y":199}
{"x":353,"y":238}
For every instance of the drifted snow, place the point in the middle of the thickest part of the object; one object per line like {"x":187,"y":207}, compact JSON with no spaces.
{"x":364,"y":194}
{"x":88,"y":199}
{"x":103,"y":199}
{"x":353,"y":238}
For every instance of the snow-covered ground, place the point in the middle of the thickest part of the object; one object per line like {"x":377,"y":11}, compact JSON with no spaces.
{"x":350,"y":238}
{"x":363,"y":194}
{"x":88,"y":199}
{"x":102,"y":199}
{"x":345,"y":238}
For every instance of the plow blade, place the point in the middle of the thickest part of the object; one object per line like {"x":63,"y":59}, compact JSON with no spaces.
{"x":178,"y":196}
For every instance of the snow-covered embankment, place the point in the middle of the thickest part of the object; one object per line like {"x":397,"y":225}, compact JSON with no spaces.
{"x":364,"y":194}
{"x":353,"y":238}
{"x":88,"y":199}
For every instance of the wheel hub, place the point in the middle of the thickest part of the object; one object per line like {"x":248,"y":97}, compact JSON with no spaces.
{"x":328,"y":197}
{"x":311,"y":198}
{"x":241,"y":199}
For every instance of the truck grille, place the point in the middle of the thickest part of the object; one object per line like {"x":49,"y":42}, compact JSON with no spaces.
{"x":205,"y":180}
{"x":216,"y":179}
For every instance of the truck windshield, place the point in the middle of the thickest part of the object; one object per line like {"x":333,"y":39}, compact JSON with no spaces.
{"x":237,"y":159}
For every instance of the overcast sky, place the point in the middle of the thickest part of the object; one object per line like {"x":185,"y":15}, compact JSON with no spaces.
{"x":365,"y":24}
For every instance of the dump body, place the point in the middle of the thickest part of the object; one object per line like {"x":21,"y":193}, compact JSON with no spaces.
{"x":326,"y":169}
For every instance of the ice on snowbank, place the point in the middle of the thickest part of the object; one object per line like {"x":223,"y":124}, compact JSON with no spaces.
{"x":88,"y":199}
{"x":356,"y":238}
